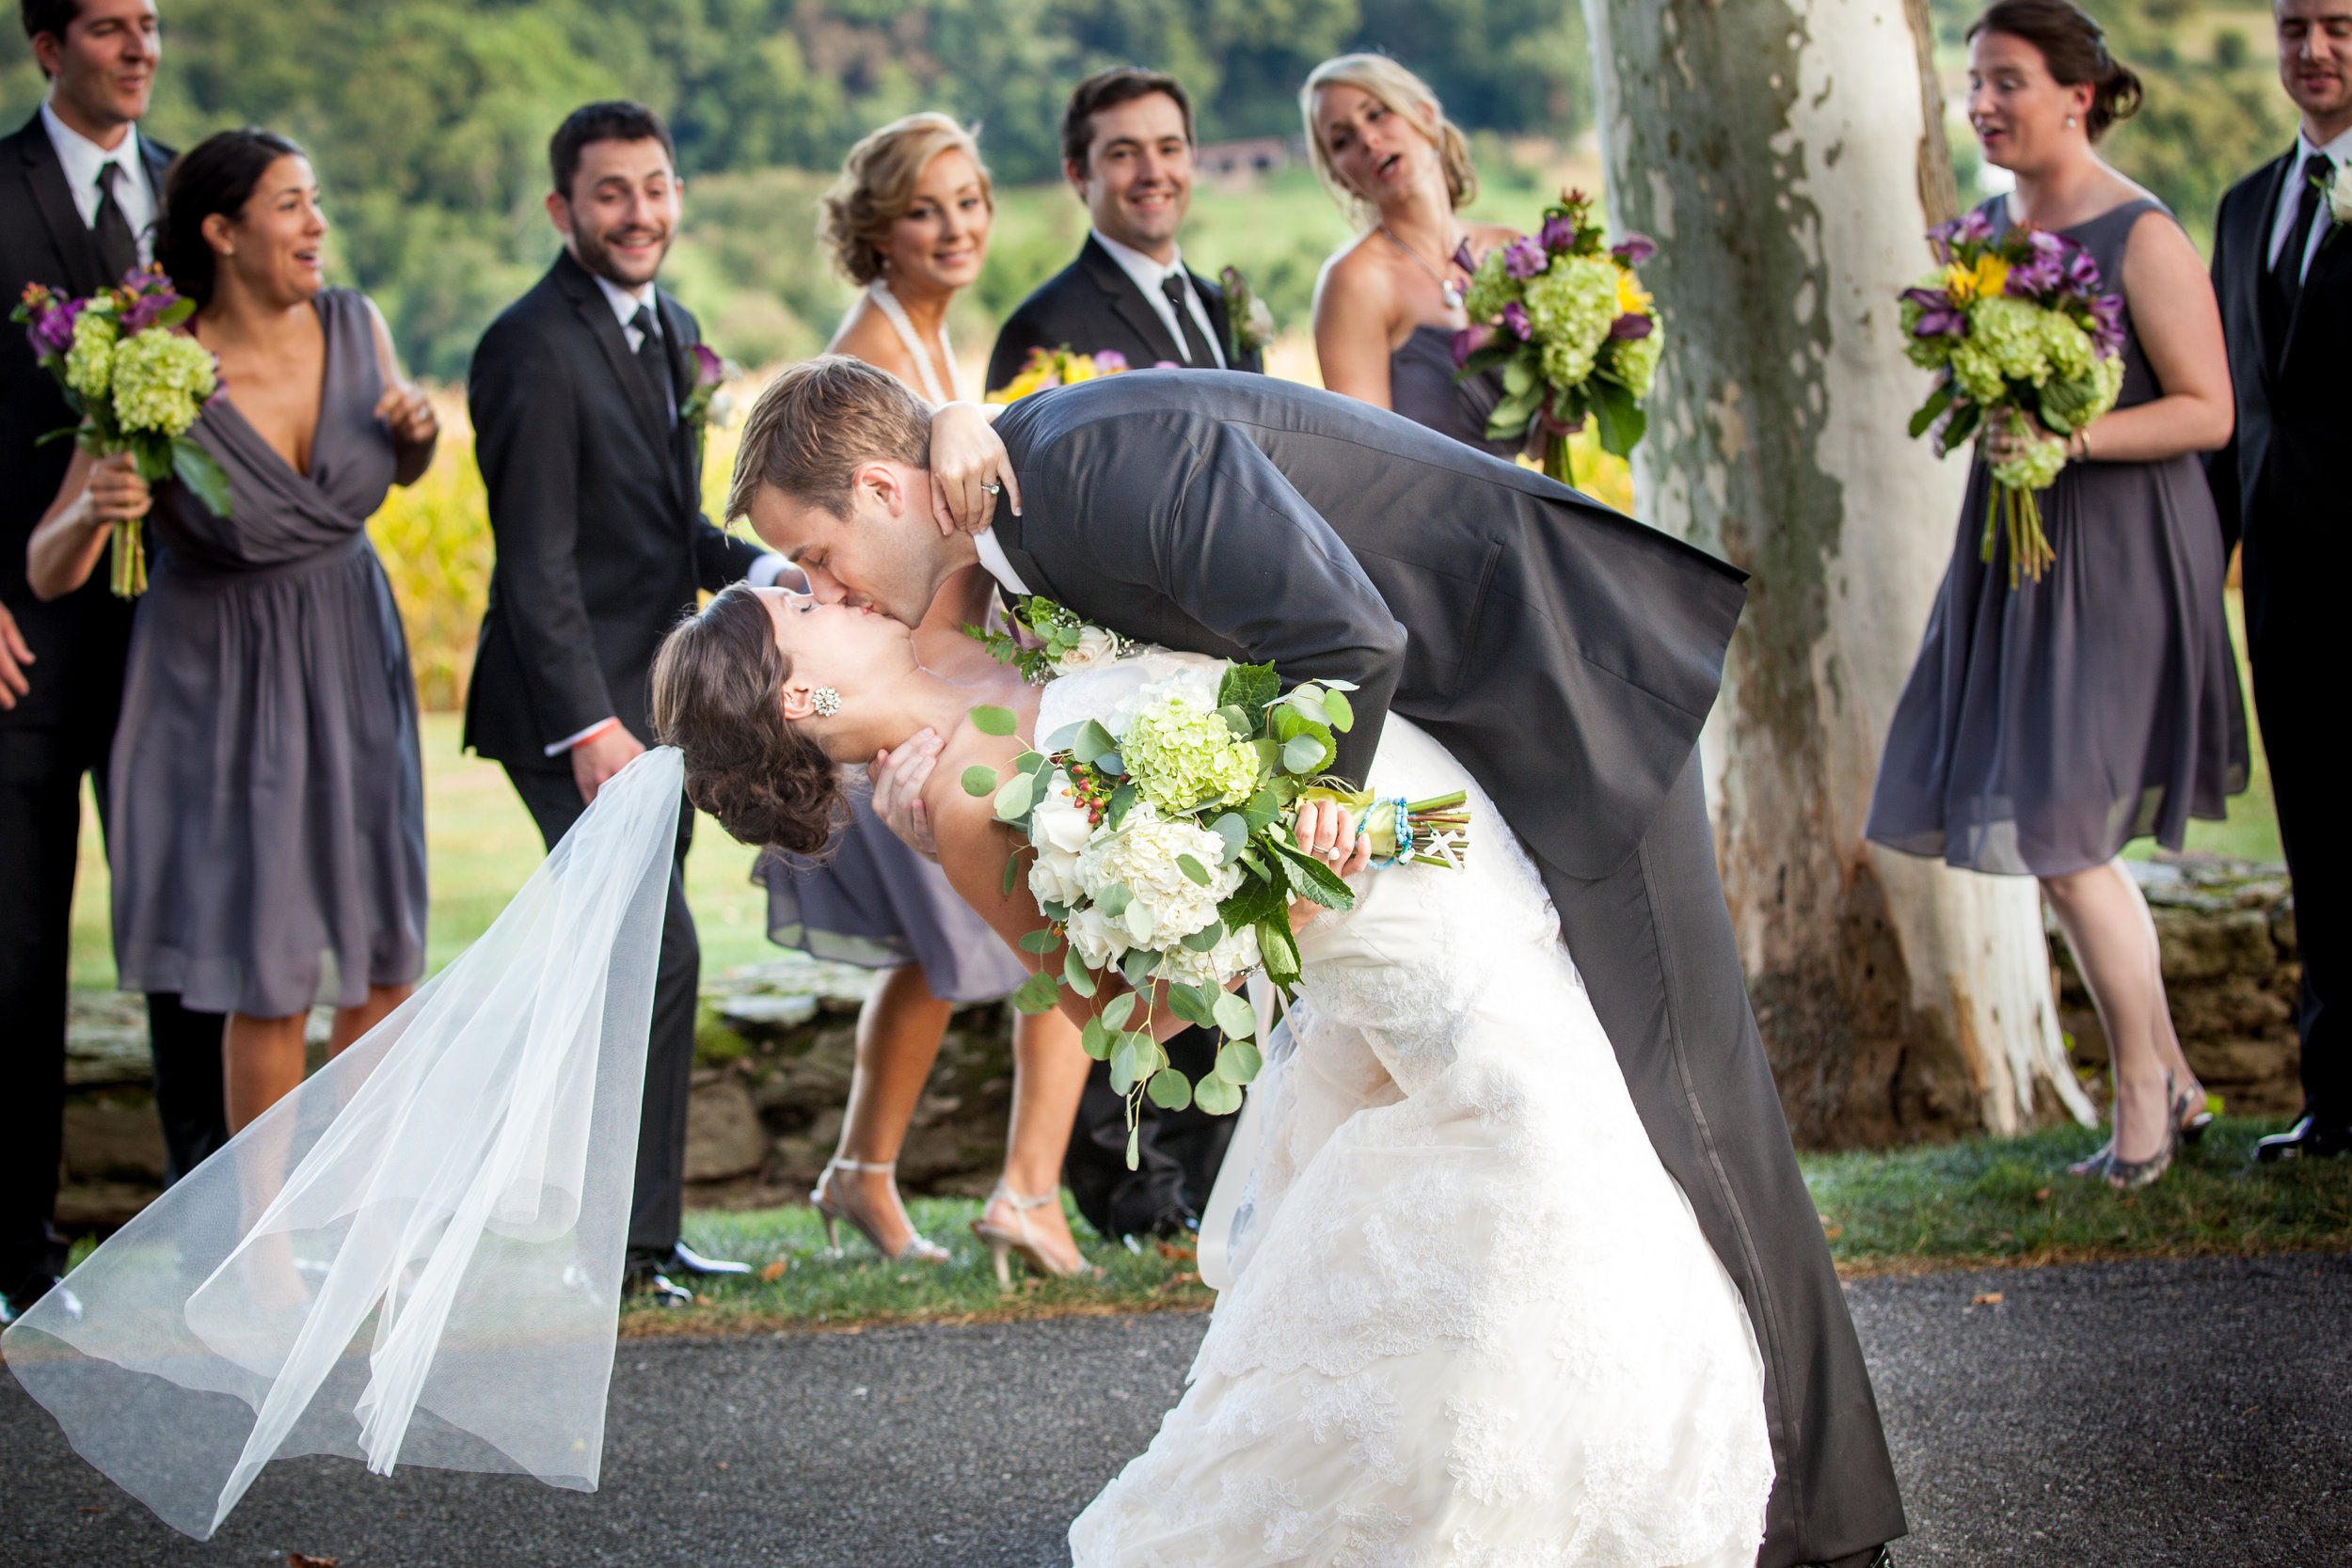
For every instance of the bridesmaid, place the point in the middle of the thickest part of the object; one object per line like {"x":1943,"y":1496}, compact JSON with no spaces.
{"x":2046,"y":727}
{"x":909,"y":219}
{"x":1389,"y":304}
{"x":268,"y":802}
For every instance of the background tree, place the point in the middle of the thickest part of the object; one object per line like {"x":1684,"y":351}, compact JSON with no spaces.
{"x":1787,"y":160}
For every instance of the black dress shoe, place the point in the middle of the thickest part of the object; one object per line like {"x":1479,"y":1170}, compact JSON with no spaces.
{"x":1870,"y":1556}
{"x":2305,"y":1140}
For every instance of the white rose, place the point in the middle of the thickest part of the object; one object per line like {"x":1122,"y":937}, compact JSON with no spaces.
{"x":1095,"y":646}
{"x":2340,"y":198}
{"x":1060,"y":822}
{"x":1055,"y":877}
{"x":1099,"y":942}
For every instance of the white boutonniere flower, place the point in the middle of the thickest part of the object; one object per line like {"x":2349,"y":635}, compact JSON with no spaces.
{"x":1094,"y":646}
{"x":2337,"y":190}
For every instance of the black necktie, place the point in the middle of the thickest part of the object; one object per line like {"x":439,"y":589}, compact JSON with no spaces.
{"x":654,"y":361}
{"x":1197,"y":352}
{"x":2286,"y":272}
{"x":117,"y":245}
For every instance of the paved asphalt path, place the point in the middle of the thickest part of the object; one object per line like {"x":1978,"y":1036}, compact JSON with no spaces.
{"x":2119,"y":1414}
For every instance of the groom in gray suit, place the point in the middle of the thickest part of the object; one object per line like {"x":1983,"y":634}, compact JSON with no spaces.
{"x":1564,"y":654}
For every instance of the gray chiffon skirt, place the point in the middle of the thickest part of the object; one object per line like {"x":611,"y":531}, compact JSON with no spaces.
{"x":870,"y":900}
{"x":2046,"y":727}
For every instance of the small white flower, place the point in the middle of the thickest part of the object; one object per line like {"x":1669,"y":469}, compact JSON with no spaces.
{"x":1095,"y":646}
{"x":2340,"y":198}
{"x":1055,"y":877}
{"x":1060,"y":824}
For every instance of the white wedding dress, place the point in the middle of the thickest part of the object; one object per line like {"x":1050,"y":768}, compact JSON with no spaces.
{"x":1472,"y":1321}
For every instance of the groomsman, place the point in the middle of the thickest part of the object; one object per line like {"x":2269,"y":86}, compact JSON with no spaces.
{"x":1126,"y":148}
{"x":2283,"y":268}
{"x":594,"y":481}
{"x":80,"y":190}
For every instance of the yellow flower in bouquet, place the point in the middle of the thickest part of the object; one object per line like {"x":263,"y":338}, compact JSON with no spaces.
{"x":1057,"y":367}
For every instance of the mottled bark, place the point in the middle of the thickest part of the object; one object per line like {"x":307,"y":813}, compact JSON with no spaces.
{"x":1787,"y":157}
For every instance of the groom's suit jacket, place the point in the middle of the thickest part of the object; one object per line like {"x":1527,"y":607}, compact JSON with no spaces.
{"x":1092,"y":305}
{"x":595,"y":509}
{"x":1566,"y":654}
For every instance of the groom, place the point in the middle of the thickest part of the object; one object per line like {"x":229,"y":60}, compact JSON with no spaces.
{"x":1565,"y":655}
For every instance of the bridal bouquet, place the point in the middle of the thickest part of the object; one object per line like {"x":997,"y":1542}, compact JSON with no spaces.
{"x":137,"y":385}
{"x":1057,"y":367}
{"x":1573,"y":330}
{"x":1162,"y":853}
{"x":2018,"y":329}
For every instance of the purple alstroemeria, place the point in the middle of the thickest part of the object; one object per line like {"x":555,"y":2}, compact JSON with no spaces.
{"x":1973,"y":227}
{"x":1559,"y":234}
{"x":1940,"y":238}
{"x":2082,"y":273}
{"x":1525,"y":259}
{"x":1629,"y":326}
{"x":2106,"y":324}
{"x":51,"y":330}
{"x":1634,"y":249}
{"x":1469,"y":341}
{"x":1156,"y":364}
{"x":151,"y":295}
{"x":709,"y":369}
{"x":1109,"y":359}
{"x":1938,"y":316}
{"x":1515,"y":317}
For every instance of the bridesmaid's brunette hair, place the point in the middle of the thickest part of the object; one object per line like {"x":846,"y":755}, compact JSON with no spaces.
{"x":217,"y":175}
{"x":876,"y":188}
{"x":2075,"y":48}
{"x":718,"y":696}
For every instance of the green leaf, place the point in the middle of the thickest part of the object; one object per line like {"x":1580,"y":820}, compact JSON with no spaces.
{"x":1075,"y":975}
{"x":1132,"y":1160}
{"x":1012,"y":872}
{"x":1239,"y":1060}
{"x":1237,"y":1018}
{"x":176,"y":313}
{"x":1256,"y":899}
{"x":1137,"y":966}
{"x":1038,"y":993}
{"x":1014,"y":800}
{"x":200,"y":471}
{"x":1238,"y":720}
{"x":1207,"y":937}
{"x":1617,"y":416}
{"x":1118,"y":1011}
{"x":1262,"y":811}
{"x":1113,"y":901}
{"x":1316,"y":879}
{"x":1248,"y":687}
{"x":1519,"y":376}
{"x":1235,"y":830}
{"x":1125,"y":1070}
{"x":1343,"y":713}
{"x":1508,"y":418}
{"x":1121,"y":798}
{"x":1303,"y":753}
{"x":1925,"y":419}
{"x":1187,"y":1003}
{"x":1042,"y":940}
{"x":1194,"y":869}
{"x":1169,"y":1089}
{"x":1093,"y":740}
{"x":992,"y":720}
{"x":1095,"y":1040}
{"x":1217,"y":1095}
{"x":1279,"y":951}
{"x":980,"y":781}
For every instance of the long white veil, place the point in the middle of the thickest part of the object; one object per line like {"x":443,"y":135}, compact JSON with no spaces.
{"x":416,"y":1256}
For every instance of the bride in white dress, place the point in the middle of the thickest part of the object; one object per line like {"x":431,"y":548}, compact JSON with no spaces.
{"x":1472,"y":1320}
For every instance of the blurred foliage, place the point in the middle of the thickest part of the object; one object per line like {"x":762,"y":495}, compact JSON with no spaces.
{"x":429,"y":118}
{"x":433,"y":538}
{"x":2214,"y":110}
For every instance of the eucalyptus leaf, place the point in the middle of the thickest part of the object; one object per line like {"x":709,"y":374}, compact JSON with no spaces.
{"x":1118,"y":1011}
{"x":1342,"y":712}
{"x":993,"y":720}
{"x":1302,"y":754}
{"x":1075,"y":975}
{"x":1194,"y":869}
{"x":1038,"y":993}
{"x":1137,"y":966}
{"x":1234,"y":831}
{"x":1236,"y":1017}
{"x":1095,"y":1040}
{"x":1217,"y":1095}
{"x":1124,"y":1069}
{"x":1239,"y":1061}
{"x":1207,"y":937}
{"x":1039,"y":941}
{"x":1169,"y":1089}
{"x":1092,"y":742}
{"x":1132,"y":1160}
{"x":980,"y":781}
{"x":1014,"y":800}
{"x":1122,"y":799}
{"x":1113,"y":901}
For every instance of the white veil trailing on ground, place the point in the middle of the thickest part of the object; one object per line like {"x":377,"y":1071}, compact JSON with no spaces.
{"x":414,"y":1257}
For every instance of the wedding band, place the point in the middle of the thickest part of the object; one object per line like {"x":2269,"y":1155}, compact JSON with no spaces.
{"x":992,"y":487}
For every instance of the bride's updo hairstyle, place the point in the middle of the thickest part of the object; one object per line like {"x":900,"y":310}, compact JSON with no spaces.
{"x":2075,"y":48}
{"x":876,"y":188}
{"x":1404,"y":93}
{"x":718,"y":696}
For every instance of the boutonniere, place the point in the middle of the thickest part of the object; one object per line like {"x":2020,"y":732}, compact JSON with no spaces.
{"x":1249,"y":323}
{"x":1047,"y":640}
{"x":2337,"y":190}
{"x":708,"y":402}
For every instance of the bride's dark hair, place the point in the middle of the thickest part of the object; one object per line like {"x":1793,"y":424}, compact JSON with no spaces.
{"x":718,"y":689}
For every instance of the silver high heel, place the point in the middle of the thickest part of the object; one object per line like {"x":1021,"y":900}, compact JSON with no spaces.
{"x":1002,"y":1243}
{"x":917,"y":1250}
{"x":2124,"y":1175}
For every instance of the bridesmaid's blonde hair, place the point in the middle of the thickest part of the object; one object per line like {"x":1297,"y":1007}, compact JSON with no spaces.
{"x":1404,"y":93}
{"x":876,"y":187}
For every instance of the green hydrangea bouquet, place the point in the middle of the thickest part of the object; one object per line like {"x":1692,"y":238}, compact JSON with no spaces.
{"x":138,"y":387}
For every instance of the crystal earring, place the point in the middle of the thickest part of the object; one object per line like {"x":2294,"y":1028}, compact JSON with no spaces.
{"x":826,"y":701}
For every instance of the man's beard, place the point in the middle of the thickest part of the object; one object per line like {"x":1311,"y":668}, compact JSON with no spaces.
{"x":597,"y":257}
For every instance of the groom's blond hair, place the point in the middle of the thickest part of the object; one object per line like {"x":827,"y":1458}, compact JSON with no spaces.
{"x":817,"y":423}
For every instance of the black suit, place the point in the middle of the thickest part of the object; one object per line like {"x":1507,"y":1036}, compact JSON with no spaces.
{"x":56,"y":733}
{"x":1089,"y":305}
{"x":1568,"y":656}
{"x":594,"y":493}
{"x":2279,"y":486}
{"x":1092,"y":305}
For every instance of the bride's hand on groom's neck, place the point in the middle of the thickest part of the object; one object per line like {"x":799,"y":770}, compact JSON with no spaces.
{"x":897,"y":777}
{"x":968,"y":457}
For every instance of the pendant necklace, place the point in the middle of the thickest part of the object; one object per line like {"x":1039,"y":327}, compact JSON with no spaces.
{"x":1447,"y":289}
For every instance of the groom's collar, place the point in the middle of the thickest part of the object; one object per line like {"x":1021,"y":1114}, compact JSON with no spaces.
{"x":997,"y":565}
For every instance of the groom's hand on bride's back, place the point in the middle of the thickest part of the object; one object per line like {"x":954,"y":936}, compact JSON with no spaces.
{"x":898,"y":778}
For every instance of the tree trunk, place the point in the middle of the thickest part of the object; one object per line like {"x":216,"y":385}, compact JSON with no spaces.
{"x":1787,"y":157}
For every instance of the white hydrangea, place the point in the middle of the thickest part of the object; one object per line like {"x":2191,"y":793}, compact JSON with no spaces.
{"x":1236,"y":953}
{"x":1167,"y":905}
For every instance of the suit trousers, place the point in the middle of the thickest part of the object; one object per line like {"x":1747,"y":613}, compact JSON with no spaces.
{"x":1655,"y":944}
{"x":41,"y":822}
{"x":554,"y":803}
{"x":1177,"y":1152}
{"x":2296,"y":688}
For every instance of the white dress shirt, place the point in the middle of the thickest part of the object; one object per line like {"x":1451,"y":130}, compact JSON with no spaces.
{"x":1150,"y":276}
{"x":82,"y":158}
{"x":996,"y":563}
{"x":2338,"y":151}
{"x":626,"y":303}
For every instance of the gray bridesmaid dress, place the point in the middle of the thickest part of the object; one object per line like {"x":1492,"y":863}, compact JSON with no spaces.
{"x":2046,"y":727}
{"x":1423,"y":389}
{"x":267,"y":799}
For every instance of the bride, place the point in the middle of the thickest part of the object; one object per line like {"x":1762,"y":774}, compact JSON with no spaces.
{"x":1471,"y":1319}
